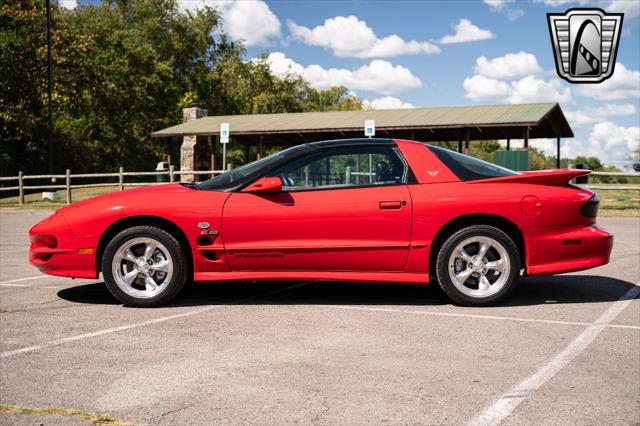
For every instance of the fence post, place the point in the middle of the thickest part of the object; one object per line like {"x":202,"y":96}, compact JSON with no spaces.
{"x":21,"y":187}
{"x":68,"y":184}
{"x":171,"y":170}
{"x":121,"y":179}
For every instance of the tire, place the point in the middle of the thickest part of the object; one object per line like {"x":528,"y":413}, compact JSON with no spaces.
{"x":469,"y":280}
{"x":144,"y":267}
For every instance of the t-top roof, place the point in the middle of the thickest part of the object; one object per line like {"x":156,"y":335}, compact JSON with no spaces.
{"x":545,"y":120}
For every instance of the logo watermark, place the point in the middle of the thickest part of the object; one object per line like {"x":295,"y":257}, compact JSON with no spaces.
{"x":585,"y":43}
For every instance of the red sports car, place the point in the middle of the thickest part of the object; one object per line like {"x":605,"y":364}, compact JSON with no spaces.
{"x":378,"y":210}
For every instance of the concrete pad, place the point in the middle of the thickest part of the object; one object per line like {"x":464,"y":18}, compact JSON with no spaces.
{"x":630,"y":316}
{"x":321,"y":353}
{"x":601,"y":386}
{"x":284,"y":364}
{"x":14,"y":243}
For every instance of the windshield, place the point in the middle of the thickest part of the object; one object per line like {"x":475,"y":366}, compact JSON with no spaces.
{"x":247,"y":173}
{"x":469,"y":168}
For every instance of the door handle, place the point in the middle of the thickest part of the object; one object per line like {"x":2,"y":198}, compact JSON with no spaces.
{"x":390,"y":205}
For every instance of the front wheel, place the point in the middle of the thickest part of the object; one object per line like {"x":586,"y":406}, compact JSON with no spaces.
{"x":144,"y":266}
{"x":478,"y":265}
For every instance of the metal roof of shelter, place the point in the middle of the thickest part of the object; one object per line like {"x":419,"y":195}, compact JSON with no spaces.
{"x":543,"y":120}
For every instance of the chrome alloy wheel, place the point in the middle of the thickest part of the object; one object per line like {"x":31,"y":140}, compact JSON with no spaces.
{"x":142,"y":267}
{"x":479,"y":266}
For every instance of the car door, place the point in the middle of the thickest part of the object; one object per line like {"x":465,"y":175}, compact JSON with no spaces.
{"x":340,"y":209}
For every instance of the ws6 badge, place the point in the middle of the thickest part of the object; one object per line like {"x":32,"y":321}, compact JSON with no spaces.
{"x":585,"y":43}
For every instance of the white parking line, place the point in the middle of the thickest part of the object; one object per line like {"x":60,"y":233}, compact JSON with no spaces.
{"x":17,"y":280}
{"x":478,"y":316}
{"x":14,"y":250}
{"x":504,"y":406}
{"x":141,"y":324}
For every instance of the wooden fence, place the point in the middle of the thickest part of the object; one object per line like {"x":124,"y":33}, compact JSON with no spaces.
{"x":68,"y":186}
{"x":172,"y":173}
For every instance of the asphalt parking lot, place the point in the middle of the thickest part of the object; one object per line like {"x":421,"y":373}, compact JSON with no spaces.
{"x":562,"y":350}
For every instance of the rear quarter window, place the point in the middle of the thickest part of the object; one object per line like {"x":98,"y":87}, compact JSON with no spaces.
{"x":469,"y":168}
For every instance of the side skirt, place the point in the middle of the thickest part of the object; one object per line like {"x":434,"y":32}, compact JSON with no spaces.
{"x":399,"y":277}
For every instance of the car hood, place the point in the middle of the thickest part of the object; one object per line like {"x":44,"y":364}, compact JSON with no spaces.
{"x":166,"y":196}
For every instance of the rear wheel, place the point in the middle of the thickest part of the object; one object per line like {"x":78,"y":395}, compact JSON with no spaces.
{"x":478,"y":265}
{"x":144,"y":266}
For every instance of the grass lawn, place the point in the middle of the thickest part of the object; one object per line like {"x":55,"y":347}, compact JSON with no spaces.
{"x":613,"y":202}
{"x":98,"y":419}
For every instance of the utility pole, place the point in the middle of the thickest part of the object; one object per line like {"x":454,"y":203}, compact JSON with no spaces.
{"x":50,"y":135}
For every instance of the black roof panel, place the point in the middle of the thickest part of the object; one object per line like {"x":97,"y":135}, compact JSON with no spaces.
{"x":353,"y":142}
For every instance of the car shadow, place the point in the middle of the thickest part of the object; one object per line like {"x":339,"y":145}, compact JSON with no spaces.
{"x":563,"y":289}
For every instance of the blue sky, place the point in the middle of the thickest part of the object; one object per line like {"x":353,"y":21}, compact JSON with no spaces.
{"x":442,"y":53}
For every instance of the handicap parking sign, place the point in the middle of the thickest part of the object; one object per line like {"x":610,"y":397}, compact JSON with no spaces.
{"x":369,"y":127}
{"x":224,"y":132}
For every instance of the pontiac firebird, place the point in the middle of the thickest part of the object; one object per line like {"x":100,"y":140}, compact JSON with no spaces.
{"x":369,"y":210}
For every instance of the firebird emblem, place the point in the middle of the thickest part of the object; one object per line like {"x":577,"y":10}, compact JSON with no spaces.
{"x":203,"y":225}
{"x":433,"y":173}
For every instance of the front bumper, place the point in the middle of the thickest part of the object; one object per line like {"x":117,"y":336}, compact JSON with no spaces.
{"x":56,"y":251}
{"x":554,"y":250}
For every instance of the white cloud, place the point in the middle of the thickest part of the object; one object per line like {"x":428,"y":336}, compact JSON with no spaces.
{"x":616,"y":110}
{"x":630,"y":8}
{"x":508,"y":66}
{"x":282,"y":66}
{"x":585,"y":116}
{"x":529,"y":89}
{"x":556,"y":3}
{"x":387,"y":102}
{"x":68,"y":4}
{"x":611,"y":142}
{"x":624,"y":84}
{"x":249,"y":20}
{"x":465,"y":31}
{"x":479,"y":87}
{"x":514,"y":14}
{"x":500,"y":6}
{"x":512,"y":78}
{"x":607,"y":141}
{"x":349,"y":37}
{"x":378,"y":76}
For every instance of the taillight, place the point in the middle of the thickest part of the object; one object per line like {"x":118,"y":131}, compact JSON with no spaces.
{"x":590,"y":208}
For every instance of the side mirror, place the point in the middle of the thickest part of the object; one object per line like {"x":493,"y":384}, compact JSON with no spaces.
{"x":266,"y":184}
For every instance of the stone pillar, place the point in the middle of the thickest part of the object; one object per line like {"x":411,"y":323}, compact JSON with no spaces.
{"x":187,"y":149}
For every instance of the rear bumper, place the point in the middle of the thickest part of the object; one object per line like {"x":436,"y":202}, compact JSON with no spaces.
{"x":554,"y":250}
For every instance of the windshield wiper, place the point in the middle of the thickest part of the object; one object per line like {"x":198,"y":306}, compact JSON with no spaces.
{"x":190,"y":185}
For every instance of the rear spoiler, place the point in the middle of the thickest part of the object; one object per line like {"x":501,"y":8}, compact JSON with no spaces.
{"x":539,"y":177}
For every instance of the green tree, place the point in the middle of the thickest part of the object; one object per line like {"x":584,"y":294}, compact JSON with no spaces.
{"x":122,"y":69}
{"x":591,"y":163}
{"x":337,"y":98}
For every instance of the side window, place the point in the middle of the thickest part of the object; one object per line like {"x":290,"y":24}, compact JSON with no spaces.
{"x":346,"y":167}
